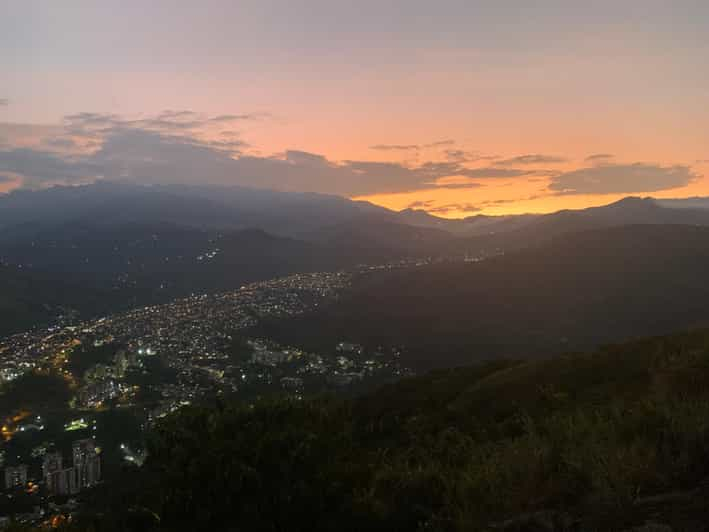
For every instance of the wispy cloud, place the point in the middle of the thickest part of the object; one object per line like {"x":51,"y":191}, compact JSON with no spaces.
{"x":421,"y":204}
{"x":533,"y":158}
{"x":495,"y":173}
{"x":412,"y":147}
{"x":459,"y":156}
{"x":440,"y":143}
{"x":507,"y":201}
{"x":466,"y":156}
{"x":193,"y":127}
{"x":240,"y":118}
{"x":395,"y":147}
{"x":456,"y":181}
{"x":599,"y":158}
{"x":454,"y":207}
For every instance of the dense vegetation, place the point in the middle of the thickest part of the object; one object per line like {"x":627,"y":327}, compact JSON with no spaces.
{"x":600,"y":441}
{"x":573,"y":293}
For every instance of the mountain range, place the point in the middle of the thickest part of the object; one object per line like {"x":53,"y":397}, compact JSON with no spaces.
{"x":115,"y":245}
{"x":305,"y":216}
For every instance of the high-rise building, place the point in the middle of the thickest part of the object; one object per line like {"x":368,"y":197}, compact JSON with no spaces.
{"x":15,"y":476}
{"x":51,"y":463}
{"x":87,"y":463}
{"x":57,"y":479}
{"x":84,"y":472}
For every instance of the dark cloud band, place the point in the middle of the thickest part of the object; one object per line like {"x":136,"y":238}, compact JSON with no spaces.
{"x":622,"y":179}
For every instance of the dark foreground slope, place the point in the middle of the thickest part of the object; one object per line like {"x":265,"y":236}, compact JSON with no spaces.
{"x":602,"y":441}
{"x":575,"y":292}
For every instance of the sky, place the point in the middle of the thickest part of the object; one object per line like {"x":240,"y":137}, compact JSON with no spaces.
{"x":454,"y":107}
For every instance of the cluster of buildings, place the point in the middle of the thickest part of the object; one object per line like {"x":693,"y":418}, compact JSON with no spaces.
{"x":84,"y":472}
{"x":190,"y":334}
{"x":189,"y":326}
{"x":190,"y":342}
{"x":297,"y":371}
{"x":102,"y":382}
{"x":59,"y":478}
{"x":15,"y":476}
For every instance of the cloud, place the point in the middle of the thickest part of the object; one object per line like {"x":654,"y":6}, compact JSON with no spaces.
{"x":421,"y":204}
{"x":146,"y":151}
{"x":456,"y":181}
{"x":63,"y":143}
{"x":622,"y":179}
{"x":412,"y":147}
{"x":239,"y":118}
{"x":506,"y":201}
{"x":182,"y":146}
{"x":431,"y":207}
{"x":454,"y":207}
{"x":395,"y":147}
{"x":440,"y":143}
{"x":458,"y":156}
{"x":495,"y":173}
{"x":464,"y":156}
{"x":599,"y":158}
{"x":304,"y":158}
{"x":39,"y":168}
{"x":169,"y":113}
{"x":93,"y":119}
{"x":176,"y":147}
{"x":534,"y":158}
{"x":194,"y":127}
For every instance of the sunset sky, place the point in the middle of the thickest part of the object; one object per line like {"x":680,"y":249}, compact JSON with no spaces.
{"x":455,"y":107}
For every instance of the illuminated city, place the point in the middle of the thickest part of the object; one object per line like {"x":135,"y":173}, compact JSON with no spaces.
{"x":156,"y":359}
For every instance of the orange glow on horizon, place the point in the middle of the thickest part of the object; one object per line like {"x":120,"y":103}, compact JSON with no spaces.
{"x":512,"y":197}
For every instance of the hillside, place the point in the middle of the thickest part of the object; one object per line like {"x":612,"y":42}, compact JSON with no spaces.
{"x":602,"y":441}
{"x":575,"y":292}
{"x":201,"y":207}
{"x":90,"y":270}
{"x":76,"y":265}
{"x":30,"y":298}
{"x":121,"y":245}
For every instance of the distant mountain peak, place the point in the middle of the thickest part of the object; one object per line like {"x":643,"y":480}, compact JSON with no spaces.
{"x":634,"y":200}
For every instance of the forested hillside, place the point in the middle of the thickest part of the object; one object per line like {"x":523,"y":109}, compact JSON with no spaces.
{"x":600,"y":441}
{"x":575,"y":292}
